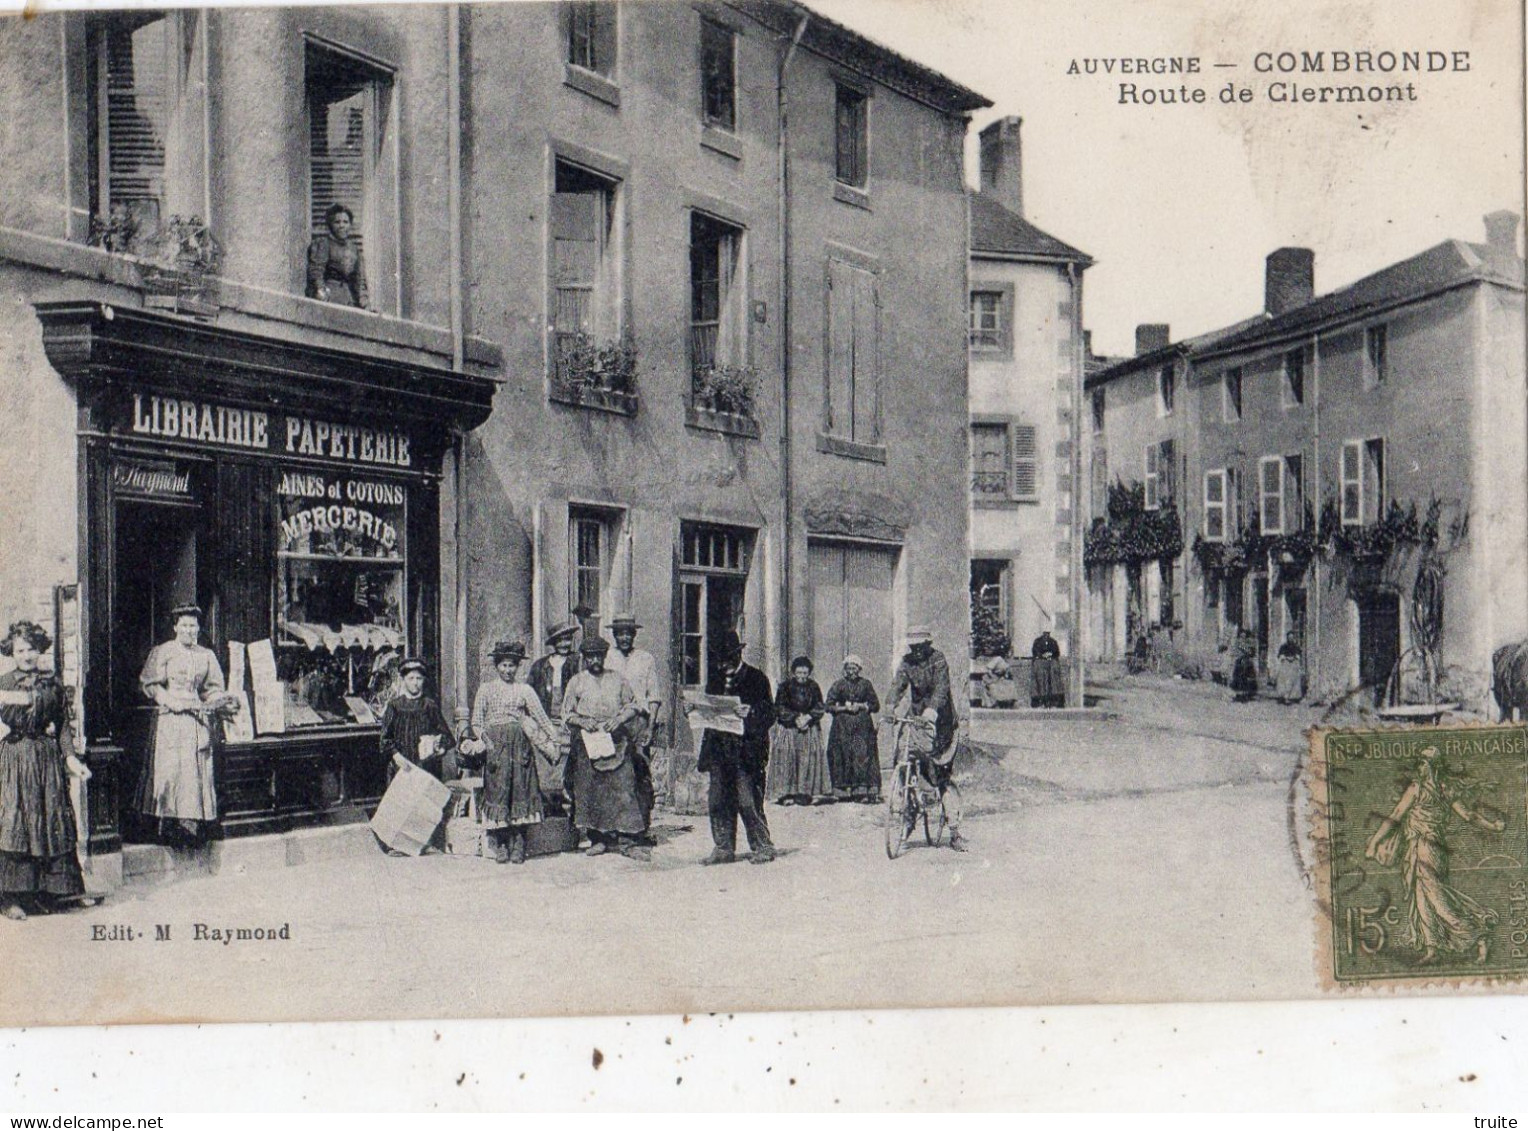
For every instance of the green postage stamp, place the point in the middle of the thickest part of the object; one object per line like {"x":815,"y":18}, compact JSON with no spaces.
{"x":1421,"y":838}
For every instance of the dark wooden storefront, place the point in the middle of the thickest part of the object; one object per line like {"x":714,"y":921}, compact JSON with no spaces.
{"x":222,"y":513}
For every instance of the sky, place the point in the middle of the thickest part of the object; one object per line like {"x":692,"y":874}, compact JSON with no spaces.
{"x":1180,"y":204}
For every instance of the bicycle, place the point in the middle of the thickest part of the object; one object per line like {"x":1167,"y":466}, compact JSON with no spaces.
{"x":912,"y":795}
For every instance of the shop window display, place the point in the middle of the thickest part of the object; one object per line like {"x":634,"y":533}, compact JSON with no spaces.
{"x":340,"y":585}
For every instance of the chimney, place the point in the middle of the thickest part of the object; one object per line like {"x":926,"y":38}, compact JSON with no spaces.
{"x":1501,"y":234}
{"x":1290,"y":280}
{"x":1002,"y":165}
{"x":1151,"y":336}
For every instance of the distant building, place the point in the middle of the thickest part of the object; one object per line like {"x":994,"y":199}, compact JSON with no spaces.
{"x":1352,"y":472}
{"x":1026,"y":290}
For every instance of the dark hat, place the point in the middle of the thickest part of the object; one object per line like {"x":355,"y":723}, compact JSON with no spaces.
{"x":727,"y":645}
{"x":594,"y":645}
{"x":412,"y":666}
{"x":507,"y":649}
{"x":185,"y":611}
{"x":623,"y":620}
{"x":558,"y":631}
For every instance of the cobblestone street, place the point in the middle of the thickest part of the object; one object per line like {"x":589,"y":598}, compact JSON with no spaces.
{"x":1146,"y":857}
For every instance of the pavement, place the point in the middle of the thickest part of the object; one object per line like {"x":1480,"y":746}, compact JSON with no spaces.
{"x":1157,"y":855}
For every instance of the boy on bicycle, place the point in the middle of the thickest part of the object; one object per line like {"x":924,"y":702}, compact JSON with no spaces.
{"x":924,"y":675}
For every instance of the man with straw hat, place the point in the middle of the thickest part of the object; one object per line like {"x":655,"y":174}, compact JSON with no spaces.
{"x":640,"y":669}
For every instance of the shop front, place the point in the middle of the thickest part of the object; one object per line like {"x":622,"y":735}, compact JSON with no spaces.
{"x":293,"y":493}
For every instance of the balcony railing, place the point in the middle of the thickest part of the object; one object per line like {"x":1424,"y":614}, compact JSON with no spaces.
{"x":989,"y":482}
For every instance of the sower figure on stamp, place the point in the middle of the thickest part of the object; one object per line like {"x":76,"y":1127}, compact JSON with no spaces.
{"x":1441,"y":917}
{"x":737,"y":763}
{"x":924,"y":677}
{"x":641,"y":671}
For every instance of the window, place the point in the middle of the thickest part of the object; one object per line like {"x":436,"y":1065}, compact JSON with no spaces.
{"x":1376,"y":356}
{"x":589,"y":543}
{"x":147,"y":113}
{"x":1231,"y":395}
{"x":1363,"y":481}
{"x":1294,"y":493}
{"x":852,"y":409}
{"x":1098,"y":411}
{"x":1270,"y":473}
{"x":713,"y":575}
{"x":1161,"y":474}
{"x":991,"y":321}
{"x":350,"y":157}
{"x":590,"y":26}
{"x":991,"y":587}
{"x":1165,"y":390}
{"x":339,"y":593}
{"x":718,"y":316}
{"x":585,"y":266}
{"x":718,"y":76}
{"x":1215,"y":506}
{"x":851,"y":131}
{"x":1294,"y":378}
{"x":1099,"y":498}
{"x":1004,"y":462}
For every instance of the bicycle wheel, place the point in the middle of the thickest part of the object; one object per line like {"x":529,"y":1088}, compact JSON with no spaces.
{"x":934,"y":824}
{"x":898,"y":811}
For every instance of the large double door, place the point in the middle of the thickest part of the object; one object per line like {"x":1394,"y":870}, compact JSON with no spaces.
{"x":852,"y":609}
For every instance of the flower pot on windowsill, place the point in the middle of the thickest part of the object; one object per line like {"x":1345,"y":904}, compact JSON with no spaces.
{"x":621,"y":401}
{"x":698,"y":414}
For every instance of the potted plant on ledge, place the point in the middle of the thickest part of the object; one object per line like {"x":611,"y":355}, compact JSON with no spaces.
{"x":595,"y":374}
{"x":723,"y":397}
{"x":179,"y":263}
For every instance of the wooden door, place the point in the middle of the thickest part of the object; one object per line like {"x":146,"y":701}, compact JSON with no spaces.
{"x":1379,"y":639}
{"x":852,"y":609}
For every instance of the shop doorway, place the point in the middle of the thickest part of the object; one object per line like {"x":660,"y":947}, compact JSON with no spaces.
{"x":1379,"y":639}
{"x":158,"y":550}
{"x":712,"y":587}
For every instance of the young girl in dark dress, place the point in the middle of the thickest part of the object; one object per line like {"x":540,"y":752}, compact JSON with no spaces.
{"x":411,"y":716}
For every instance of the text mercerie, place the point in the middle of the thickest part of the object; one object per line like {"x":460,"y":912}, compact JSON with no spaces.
{"x":177,"y":419}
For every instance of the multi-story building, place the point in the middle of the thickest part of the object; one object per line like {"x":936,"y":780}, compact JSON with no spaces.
{"x":1345,"y":482}
{"x":755,"y":208}
{"x":722,"y":246}
{"x":188,"y":427}
{"x":1026,"y":294}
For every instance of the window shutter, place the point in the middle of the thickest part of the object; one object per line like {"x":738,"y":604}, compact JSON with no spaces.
{"x":1215,"y":506}
{"x":866,"y":359}
{"x":1271,"y":494}
{"x":603,"y":18}
{"x":137,"y":62}
{"x":839,"y":399}
{"x":1352,"y":483}
{"x":1026,"y":465}
{"x":1167,"y":473}
{"x":1153,"y":458}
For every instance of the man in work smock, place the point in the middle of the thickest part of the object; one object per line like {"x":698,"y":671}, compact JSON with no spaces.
{"x":924,"y":676}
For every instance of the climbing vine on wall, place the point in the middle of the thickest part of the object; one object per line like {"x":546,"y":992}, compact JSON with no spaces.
{"x":1131,"y":532}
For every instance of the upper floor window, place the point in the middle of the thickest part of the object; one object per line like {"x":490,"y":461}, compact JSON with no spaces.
{"x":991,"y":322}
{"x":1216,"y":506}
{"x":852,"y":408}
{"x":1294,"y":378}
{"x":351,"y":173}
{"x":1363,"y":481}
{"x":585,"y":266}
{"x":718,"y":75}
{"x":1376,"y":356}
{"x":1166,"y":390}
{"x":590,"y":31}
{"x":1231,"y":395}
{"x":1160,"y":486}
{"x":718,"y":322}
{"x":1098,"y":411}
{"x":851,"y":134}
{"x":1004,"y":462}
{"x":1270,"y":471}
{"x":147,"y":115}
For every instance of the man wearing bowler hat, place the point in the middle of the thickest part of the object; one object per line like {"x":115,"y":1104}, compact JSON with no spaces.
{"x":736,"y":763}
{"x":641,"y":671}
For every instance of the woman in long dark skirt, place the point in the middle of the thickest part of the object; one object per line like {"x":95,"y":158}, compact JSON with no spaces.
{"x":510,"y":726}
{"x":798,"y":765}
{"x":37,"y":830}
{"x":854,"y":757}
{"x":1244,"y":669}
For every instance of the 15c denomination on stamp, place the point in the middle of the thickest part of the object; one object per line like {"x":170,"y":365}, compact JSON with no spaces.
{"x":1422,"y":853}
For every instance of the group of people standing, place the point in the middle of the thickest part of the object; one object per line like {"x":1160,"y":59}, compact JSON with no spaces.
{"x":804,"y":771}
